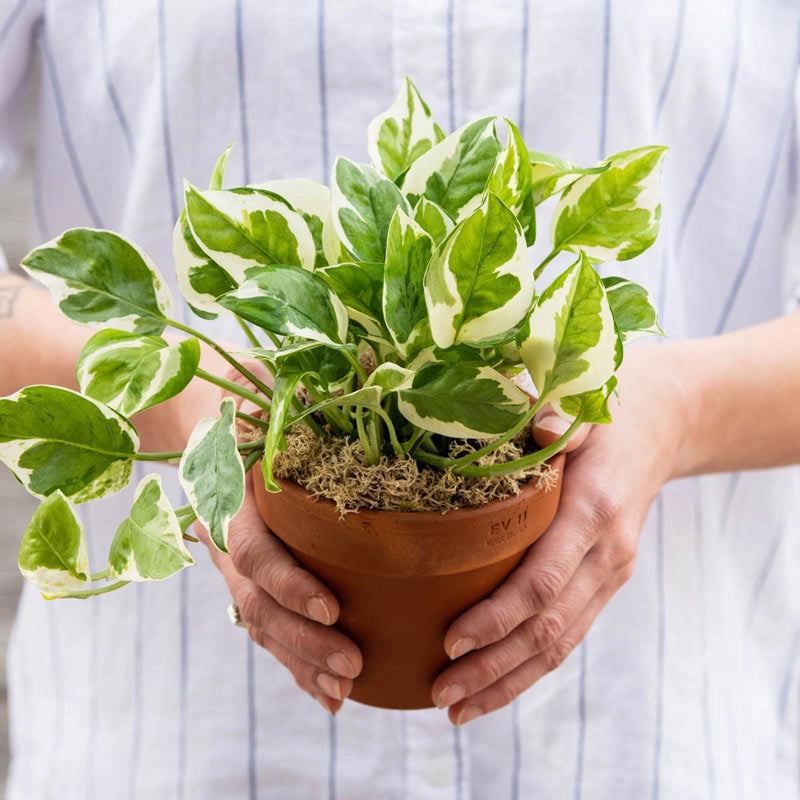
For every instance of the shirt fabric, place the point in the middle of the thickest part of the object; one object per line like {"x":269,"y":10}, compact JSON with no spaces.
{"x":688,"y":684}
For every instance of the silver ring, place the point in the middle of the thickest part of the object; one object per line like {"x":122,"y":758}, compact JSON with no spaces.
{"x":234,"y":616}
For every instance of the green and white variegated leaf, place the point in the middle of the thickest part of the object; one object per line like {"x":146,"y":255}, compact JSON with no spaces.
{"x":130,"y":373}
{"x":218,"y":175}
{"x":53,"y":554}
{"x":632,"y":307}
{"x":569,"y":344}
{"x":365,"y":397}
{"x":408,"y":252}
{"x":615,"y":214}
{"x":101,"y":279}
{"x":212,"y":474}
{"x":148,"y":545}
{"x":454,"y":172}
{"x":592,"y":406}
{"x":55,"y":439}
{"x":462,"y":400}
{"x":390,"y":378}
{"x":312,"y":200}
{"x":511,"y":181}
{"x":433,"y":219}
{"x":360,"y":288}
{"x":200,"y":279}
{"x":244,"y":228}
{"x":479,"y":284}
{"x":282,"y":395}
{"x":362,"y":204}
{"x":402,"y":133}
{"x":329,"y":367}
{"x":335,"y":252}
{"x":289,"y":301}
{"x":551,"y":175}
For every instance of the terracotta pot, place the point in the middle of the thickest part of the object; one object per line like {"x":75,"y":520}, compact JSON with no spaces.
{"x":401,"y":578}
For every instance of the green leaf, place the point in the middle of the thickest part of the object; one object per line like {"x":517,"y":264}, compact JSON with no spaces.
{"x":592,"y":406}
{"x":569,"y":344}
{"x":55,"y":439}
{"x":433,"y":219}
{"x":200,"y":279}
{"x":130,"y":373}
{"x":551,"y":175}
{"x":632,"y":307}
{"x":390,"y":377}
{"x":212,"y":474}
{"x":511,"y":181}
{"x":324,"y":360}
{"x":615,"y":214}
{"x":148,"y":545}
{"x":218,"y":175}
{"x":53,"y":555}
{"x":98,"y":279}
{"x":243,"y":228}
{"x":362,"y":203}
{"x":479,"y":284}
{"x":401,"y":134}
{"x":462,"y":400}
{"x":408,"y":251}
{"x":312,"y":200}
{"x":335,"y":252}
{"x":289,"y":301}
{"x":360,"y":288}
{"x":454,"y":172}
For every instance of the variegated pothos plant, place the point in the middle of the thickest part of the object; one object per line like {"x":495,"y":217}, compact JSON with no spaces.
{"x":421,"y":258}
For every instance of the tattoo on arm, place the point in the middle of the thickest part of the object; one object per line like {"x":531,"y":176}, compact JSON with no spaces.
{"x":8,"y":297}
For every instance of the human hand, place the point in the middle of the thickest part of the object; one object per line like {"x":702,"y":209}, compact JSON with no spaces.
{"x":534,"y":620}
{"x":284,"y":608}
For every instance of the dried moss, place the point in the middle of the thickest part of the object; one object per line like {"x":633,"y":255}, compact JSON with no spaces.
{"x":339,"y":471}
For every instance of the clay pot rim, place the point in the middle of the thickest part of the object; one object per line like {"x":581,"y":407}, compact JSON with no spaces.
{"x":530,"y":487}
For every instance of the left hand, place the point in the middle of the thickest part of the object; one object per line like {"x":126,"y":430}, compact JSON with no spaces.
{"x":533,"y":621}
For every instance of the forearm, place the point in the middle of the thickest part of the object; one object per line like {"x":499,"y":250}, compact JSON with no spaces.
{"x":743,"y":395}
{"x":39,"y":345}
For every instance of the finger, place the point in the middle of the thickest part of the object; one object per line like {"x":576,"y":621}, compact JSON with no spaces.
{"x":322,"y":647}
{"x":539,"y":579}
{"x":549,"y":426}
{"x":328,"y":690}
{"x":260,"y":556}
{"x":482,"y":668}
{"x":510,"y":686}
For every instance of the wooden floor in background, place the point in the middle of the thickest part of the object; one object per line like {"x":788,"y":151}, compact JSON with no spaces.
{"x":16,"y":508}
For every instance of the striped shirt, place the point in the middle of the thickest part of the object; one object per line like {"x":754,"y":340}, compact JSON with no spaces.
{"x":688,"y":685}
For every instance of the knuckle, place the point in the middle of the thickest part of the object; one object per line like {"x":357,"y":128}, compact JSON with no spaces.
{"x":557,"y":654}
{"x":250,"y":606}
{"x":604,"y":509}
{"x":545,"y":586}
{"x":241,"y":548}
{"x":282,"y":581}
{"x":545,"y":630}
{"x":500,"y":619}
{"x":506,"y":693}
{"x":486,"y":672}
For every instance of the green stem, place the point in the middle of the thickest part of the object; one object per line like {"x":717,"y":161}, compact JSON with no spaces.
{"x":100,"y":576}
{"x":366,"y":444}
{"x":413,"y":443}
{"x":252,"y":459}
{"x":509,"y":467}
{"x":353,"y":359}
{"x":251,"y":337}
{"x":244,"y":447}
{"x":395,"y":442}
{"x":257,"y":382}
{"x":93,"y":592}
{"x":234,"y":388}
{"x":274,"y":339}
{"x":540,"y":269}
{"x":257,"y":421}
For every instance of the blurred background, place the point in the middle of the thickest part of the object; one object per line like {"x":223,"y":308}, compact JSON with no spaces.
{"x":16,"y":203}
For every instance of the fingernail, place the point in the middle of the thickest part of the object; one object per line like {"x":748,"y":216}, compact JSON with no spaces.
{"x":461,"y":646}
{"x":468,"y":714}
{"x":339,"y":663}
{"x":451,"y":694}
{"x":317,"y":609}
{"x":329,"y":685}
{"x":552,"y":423}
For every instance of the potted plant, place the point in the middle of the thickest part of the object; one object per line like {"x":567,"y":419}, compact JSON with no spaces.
{"x":400,"y":309}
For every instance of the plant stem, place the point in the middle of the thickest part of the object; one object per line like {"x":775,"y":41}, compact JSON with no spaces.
{"x":413,"y":443}
{"x":395,"y":442}
{"x":90,"y":592}
{"x":252,"y":459}
{"x":372,"y":456}
{"x":353,"y":359}
{"x":540,"y":269}
{"x":244,"y":447}
{"x":257,"y":421}
{"x":251,"y":337}
{"x":234,"y":388}
{"x":100,"y":576}
{"x":257,"y":382}
{"x":274,"y":339}
{"x":509,"y":467}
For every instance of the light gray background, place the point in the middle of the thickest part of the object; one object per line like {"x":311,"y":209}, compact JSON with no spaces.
{"x":15,"y":505}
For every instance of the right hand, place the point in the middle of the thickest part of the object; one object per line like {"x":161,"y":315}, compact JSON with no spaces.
{"x":285,"y":609}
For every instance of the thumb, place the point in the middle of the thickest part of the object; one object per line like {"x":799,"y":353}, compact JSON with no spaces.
{"x":549,"y":426}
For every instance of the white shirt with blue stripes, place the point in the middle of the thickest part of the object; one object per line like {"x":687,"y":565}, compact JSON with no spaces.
{"x":688,"y":685}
